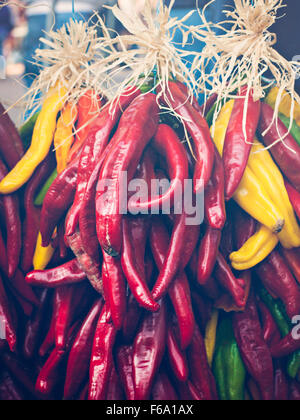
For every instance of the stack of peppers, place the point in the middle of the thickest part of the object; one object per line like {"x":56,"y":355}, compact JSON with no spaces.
{"x":142,"y":307}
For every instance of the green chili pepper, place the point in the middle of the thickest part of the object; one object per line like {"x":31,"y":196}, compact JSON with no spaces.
{"x":228,"y":367}
{"x":27,"y":129}
{"x":293,"y":366}
{"x":295,"y":130}
{"x":276,"y":310}
{"x":42,"y":194}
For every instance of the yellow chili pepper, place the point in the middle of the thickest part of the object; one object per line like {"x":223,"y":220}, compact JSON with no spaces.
{"x":285,"y":104}
{"x":42,"y":256}
{"x":251,"y":194}
{"x":255,"y":250}
{"x":210,"y":336}
{"x":262,"y":164}
{"x":63,"y":138}
{"x":41,"y":142}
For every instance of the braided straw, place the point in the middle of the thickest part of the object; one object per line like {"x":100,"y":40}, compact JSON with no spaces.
{"x":243,"y":54}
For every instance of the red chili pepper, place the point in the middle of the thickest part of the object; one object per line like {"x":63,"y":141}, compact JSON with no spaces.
{"x":49,"y":341}
{"x":177,"y":358}
{"x":253,"y":348}
{"x":239,"y":139}
{"x":114,"y":285}
{"x":169,"y":146}
{"x":235,"y":287}
{"x":115,"y":390}
{"x":102,"y":358}
{"x":9,"y":390}
{"x":294,"y":196}
{"x":200,"y":372}
{"x":202,"y":310}
{"x":292,"y":258}
{"x":276,"y":277}
{"x":13,"y":227}
{"x":91,"y":267}
{"x":294,"y":391}
{"x":23,"y":289}
{"x":227,"y":245}
{"x":66,"y":274}
{"x":132,"y":319}
{"x":71,"y":302}
{"x":286,"y":346}
{"x":286,"y":153}
{"x":179,"y":290}
{"x":207,"y":106}
{"x":97,"y":139}
{"x":80,"y":354}
{"x":35,"y":325}
{"x":244,"y":226}
{"x":32,"y":220}
{"x":11,"y":147}
{"x":63,"y":249}
{"x":148,"y":352}
{"x":137,"y":126}
{"x":194,"y":101}
{"x":269,"y":326}
{"x":57,"y":201}
{"x":281,"y":383}
{"x":198,"y":129}
{"x":214,"y":204}
{"x":8,"y":317}
{"x":124,"y":357}
{"x":88,"y":106}
{"x":3,"y":254}
{"x":163,"y":390}
{"x":208,"y":252}
{"x":135,"y":234}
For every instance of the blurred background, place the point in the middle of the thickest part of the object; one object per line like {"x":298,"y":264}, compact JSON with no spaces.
{"x":22,"y":23}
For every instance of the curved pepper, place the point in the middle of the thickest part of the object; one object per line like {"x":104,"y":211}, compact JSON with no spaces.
{"x":208,"y":252}
{"x":10,"y":143}
{"x":289,"y":344}
{"x":295,"y":129}
{"x":137,"y":126}
{"x":285,"y":103}
{"x":63,"y":137}
{"x":294,"y":197}
{"x":228,"y":367}
{"x":124,"y":356}
{"x":239,"y":139}
{"x":41,"y":142}
{"x":292,"y":258}
{"x":177,"y":358}
{"x":251,"y":194}
{"x":210,"y":336}
{"x":287,"y":153}
{"x":42,"y":255}
{"x":42,"y":194}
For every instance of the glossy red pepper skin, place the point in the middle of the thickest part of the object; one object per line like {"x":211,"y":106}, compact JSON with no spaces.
{"x":64,"y":275}
{"x":198,"y":129}
{"x":294,"y":196}
{"x":177,"y":358}
{"x":200,"y":372}
{"x":168,"y":145}
{"x":24,"y":289}
{"x":135,"y":235}
{"x":163,"y":390}
{"x":13,"y":227}
{"x":58,"y":199}
{"x":148,"y":352}
{"x":292,"y":258}
{"x":91,"y":267}
{"x":124,"y":357}
{"x":80,"y":353}
{"x":281,"y":383}
{"x":287,"y":160}
{"x":3,"y":254}
{"x":235,"y":287}
{"x":102,"y":356}
{"x":32,"y":220}
{"x":11,"y":147}
{"x":244,"y":226}
{"x":207,"y":256}
{"x":35,"y":325}
{"x":71,"y":303}
{"x":276,"y":276}
{"x":179,"y":290}
{"x":214,"y":204}
{"x":132,"y":319}
{"x":254,"y":350}
{"x":134,"y":132}
{"x":9,"y":318}
{"x":194,"y":100}
{"x":285,"y":347}
{"x":239,"y":140}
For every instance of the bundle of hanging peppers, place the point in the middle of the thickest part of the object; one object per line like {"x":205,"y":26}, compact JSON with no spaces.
{"x":103,"y":300}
